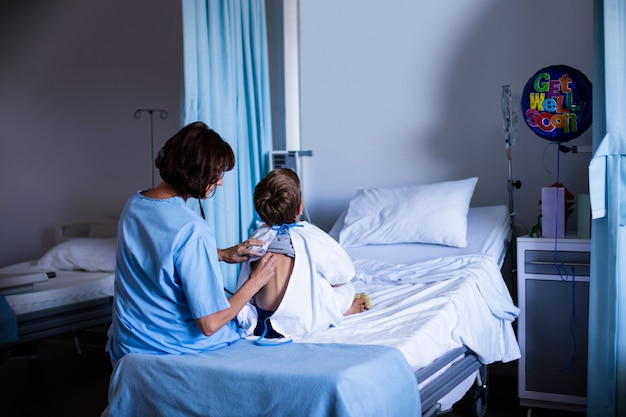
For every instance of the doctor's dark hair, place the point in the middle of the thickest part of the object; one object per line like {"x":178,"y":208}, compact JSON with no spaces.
{"x":193,"y":159}
{"x":277,"y":197}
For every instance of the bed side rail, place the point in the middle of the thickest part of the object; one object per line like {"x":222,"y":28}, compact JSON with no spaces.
{"x":63,"y":319}
{"x":448,"y":380}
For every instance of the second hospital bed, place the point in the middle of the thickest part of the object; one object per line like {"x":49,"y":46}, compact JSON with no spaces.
{"x":68,"y":289}
{"x":439,"y":315}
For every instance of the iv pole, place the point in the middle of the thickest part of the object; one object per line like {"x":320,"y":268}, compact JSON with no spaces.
{"x":163,"y":116}
{"x":510,"y":132}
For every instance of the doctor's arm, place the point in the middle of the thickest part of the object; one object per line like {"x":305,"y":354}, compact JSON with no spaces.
{"x":264,"y":272}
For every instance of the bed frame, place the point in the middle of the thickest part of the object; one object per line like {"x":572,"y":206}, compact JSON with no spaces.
{"x":65,"y":319}
{"x":456,"y":373}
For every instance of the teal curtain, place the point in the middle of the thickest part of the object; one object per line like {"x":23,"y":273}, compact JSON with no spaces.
{"x":606,"y":383}
{"x":226,"y":85}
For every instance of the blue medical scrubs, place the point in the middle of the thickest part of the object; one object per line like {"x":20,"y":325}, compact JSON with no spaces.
{"x":167,"y":275}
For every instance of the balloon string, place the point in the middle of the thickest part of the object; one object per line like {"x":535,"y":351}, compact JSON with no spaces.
{"x":558,"y":160}
{"x":558,"y":163}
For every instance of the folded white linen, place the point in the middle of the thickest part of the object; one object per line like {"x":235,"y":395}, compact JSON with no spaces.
{"x":482,"y":269}
{"x":430,"y":308}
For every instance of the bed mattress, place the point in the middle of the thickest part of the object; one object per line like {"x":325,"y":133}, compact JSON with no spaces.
{"x":66,"y":288}
{"x":456,"y":304}
{"x":245,"y":379}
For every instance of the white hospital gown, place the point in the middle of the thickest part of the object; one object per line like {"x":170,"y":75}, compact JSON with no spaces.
{"x":311,"y":303}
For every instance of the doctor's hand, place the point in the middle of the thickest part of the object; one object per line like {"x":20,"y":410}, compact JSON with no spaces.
{"x":241,"y":252}
{"x":263,"y":272}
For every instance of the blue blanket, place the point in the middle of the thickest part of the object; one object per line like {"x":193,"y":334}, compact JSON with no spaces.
{"x":8,"y":323}
{"x":244,"y":379}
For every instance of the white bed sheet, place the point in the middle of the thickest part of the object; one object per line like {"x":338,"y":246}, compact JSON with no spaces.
{"x":488,"y":233}
{"x":430,"y":299}
{"x":68,"y":287}
{"x":425,"y":320}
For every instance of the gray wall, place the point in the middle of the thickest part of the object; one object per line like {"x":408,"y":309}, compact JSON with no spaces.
{"x":73,"y":73}
{"x":393,"y":92}
{"x":406,"y":92}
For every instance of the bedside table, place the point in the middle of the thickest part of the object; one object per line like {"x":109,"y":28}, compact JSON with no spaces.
{"x":553,"y":297}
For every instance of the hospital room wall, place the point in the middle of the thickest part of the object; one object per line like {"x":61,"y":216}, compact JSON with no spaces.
{"x":392,"y":93}
{"x":73,"y":73}
{"x":408,"y":92}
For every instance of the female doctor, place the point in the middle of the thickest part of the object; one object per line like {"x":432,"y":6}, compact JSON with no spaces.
{"x":169,"y":295}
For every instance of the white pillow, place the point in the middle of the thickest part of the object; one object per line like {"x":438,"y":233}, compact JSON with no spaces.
{"x":432,"y":213}
{"x":88,"y":254}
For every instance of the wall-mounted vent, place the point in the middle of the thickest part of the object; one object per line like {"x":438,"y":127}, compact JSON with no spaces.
{"x":284,"y":159}
{"x":291,"y":160}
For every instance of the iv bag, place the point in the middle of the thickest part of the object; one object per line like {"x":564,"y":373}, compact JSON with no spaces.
{"x":509,"y":115}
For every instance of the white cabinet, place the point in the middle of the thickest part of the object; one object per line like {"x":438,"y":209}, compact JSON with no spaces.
{"x":553,"y":296}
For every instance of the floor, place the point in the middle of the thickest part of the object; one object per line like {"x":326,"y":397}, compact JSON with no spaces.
{"x":61,"y":382}
{"x":56,"y":380}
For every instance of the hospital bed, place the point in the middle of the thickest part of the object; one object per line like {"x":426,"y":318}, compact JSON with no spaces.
{"x":440,"y":314}
{"x":70,"y":288}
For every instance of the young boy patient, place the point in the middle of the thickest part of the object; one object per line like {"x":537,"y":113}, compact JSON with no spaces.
{"x":311,"y":290}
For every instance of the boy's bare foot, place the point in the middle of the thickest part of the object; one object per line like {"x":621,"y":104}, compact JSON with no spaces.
{"x":367,"y":302}
{"x":358,"y":306}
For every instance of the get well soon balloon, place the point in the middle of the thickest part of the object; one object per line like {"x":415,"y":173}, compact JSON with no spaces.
{"x":556,"y":103}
